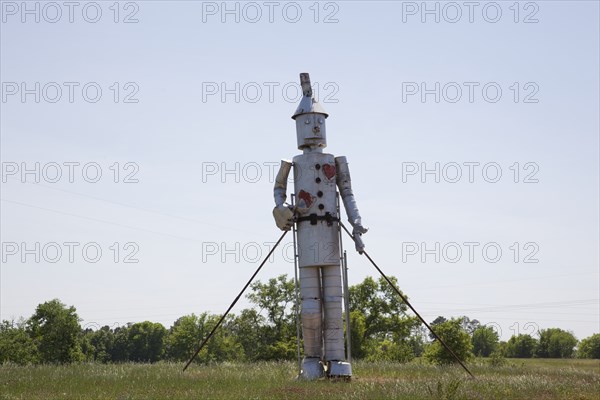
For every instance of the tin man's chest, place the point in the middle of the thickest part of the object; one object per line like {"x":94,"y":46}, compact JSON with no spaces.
{"x":315,"y":184}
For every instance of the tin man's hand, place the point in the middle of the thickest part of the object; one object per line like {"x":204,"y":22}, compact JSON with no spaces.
{"x":284,"y":217}
{"x":358,"y":228}
{"x":357,"y":232}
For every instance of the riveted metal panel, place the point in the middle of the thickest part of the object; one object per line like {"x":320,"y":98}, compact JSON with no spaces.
{"x":315,"y":188}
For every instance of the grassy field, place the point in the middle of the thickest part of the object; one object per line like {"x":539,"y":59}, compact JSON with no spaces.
{"x":518,"y":379}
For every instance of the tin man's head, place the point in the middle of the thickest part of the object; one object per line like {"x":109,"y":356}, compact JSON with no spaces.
{"x":310,"y":118}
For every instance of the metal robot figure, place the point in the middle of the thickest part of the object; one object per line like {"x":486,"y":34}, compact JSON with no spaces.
{"x":316,"y":175}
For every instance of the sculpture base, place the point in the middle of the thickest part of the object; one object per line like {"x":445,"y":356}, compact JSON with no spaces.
{"x":312,"y":369}
{"x":339,"y":369}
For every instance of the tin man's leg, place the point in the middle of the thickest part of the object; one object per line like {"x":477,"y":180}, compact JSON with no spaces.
{"x":334,"y":328}
{"x":310,"y":291}
{"x":334,"y":331}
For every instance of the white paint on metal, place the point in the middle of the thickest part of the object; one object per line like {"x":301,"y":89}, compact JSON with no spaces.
{"x":317,"y":176}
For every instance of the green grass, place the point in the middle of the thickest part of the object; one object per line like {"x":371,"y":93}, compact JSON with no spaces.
{"x":518,"y":379}
{"x":587,"y":365}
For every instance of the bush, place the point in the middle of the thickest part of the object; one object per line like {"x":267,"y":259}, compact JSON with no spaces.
{"x":388,"y":350}
{"x":453,"y":334}
{"x":16,"y":346}
{"x":485,"y":341}
{"x":496,"y":359}
{"x":590,"y":347}
{"x":556,"y":343}
{"x":521,"y":346}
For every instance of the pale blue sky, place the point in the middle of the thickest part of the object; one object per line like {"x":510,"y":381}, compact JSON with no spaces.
{"x":171,"y":134}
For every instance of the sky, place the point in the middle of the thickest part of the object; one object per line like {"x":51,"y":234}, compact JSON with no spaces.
{"x":139,"y":142}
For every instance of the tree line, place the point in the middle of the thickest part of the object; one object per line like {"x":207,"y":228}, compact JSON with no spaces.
{"x":380,"y":327}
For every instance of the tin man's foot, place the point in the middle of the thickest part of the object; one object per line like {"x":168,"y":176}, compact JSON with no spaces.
{"x":339,"y":369}
{"x":312,"y":369}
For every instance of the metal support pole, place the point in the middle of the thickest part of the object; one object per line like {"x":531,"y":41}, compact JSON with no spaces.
{"x":344,"y":265}
{"x":405,"y":300}
{"x":347,"y":308}
{"x":296,"y":284}
{"x":322,"y":295}
{"x":235,"y":301}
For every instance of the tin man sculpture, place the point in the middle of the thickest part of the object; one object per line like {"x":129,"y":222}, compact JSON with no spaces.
{"x":315,"y":220}
{"x":315,"y":212}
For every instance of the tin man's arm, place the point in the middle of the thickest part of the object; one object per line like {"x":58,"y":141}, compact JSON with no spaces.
{"x":283,"y":215}
{"x":345,"y":186}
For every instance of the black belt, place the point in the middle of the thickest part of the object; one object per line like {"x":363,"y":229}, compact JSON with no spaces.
{"x":313,"y":218}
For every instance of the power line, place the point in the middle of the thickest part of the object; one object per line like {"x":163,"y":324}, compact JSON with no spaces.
{"x":135,"y":207}
{"x":505,"y":281}
{"x":99,"y":220}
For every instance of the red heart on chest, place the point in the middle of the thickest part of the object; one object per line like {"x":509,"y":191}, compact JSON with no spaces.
{"x":307,"y":197}
{"x":329,"y":171}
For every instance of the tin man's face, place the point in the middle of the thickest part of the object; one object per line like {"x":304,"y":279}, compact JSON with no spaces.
{"x":310,"y":129}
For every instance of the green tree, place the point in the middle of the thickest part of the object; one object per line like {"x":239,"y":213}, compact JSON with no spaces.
{"x":145,"y":341}
{"x":184,"y":337}
{"x":119,"y":352}
{"x":223,"y":346}
{"x":358,"y":327}
{"x":418,"y":339}
{"x":521,"y":346}
{"x":454,"y":335}
{"x":501,"y":348}
{"x":485,"y":341}
{"x":16,"y":346}
{"x":276,"y":297}
{"x":189,"y":331}
{"x":387,"y":350}
{"x":470,"y":325}
{"x":378,"y":318}
{"x":85,"y":344}
{"x":55,"y":330}
{"x":263,"y":341}
{"x":432,"y":324}
{"x":556,"y":343}
{"x":250,"y":330}
{"x":103,"y":341}
{"x":277,"y":333}
{"x":384,"y":311}
{"x":589,"y":347}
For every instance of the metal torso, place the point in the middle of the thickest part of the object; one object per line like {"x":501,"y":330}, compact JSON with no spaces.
{"x":315,"y":190}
